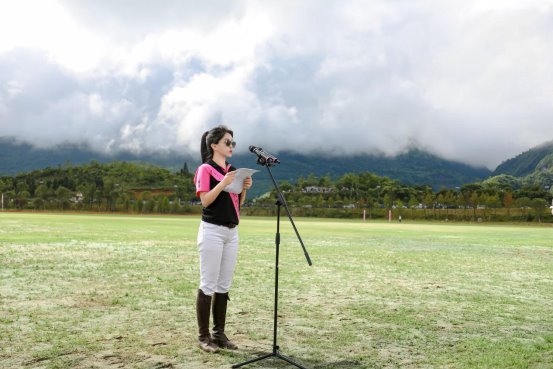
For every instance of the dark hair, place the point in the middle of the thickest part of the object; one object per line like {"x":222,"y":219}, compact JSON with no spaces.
{"x":212,"y":136}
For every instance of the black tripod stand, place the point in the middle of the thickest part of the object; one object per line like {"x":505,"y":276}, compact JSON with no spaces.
{"x":280,"y":202}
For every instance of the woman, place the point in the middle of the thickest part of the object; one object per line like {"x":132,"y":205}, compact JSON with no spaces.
{"x":217,"y":236}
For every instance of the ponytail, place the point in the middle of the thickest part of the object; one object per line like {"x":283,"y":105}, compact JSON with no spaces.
{"x":205,"y":149}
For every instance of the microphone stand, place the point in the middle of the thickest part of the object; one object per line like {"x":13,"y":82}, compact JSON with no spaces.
{"x":280,"y":202}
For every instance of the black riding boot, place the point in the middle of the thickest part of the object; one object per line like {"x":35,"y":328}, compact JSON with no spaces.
{"x":219,"y":317}
{"x":203,"y":309}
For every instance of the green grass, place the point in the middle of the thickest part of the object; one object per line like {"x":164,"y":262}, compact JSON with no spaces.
{"x":101,"y":291}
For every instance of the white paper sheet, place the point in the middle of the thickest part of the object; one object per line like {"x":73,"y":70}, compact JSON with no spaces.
{"x":238,"y":182}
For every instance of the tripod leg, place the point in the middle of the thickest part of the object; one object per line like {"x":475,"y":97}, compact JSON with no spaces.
{"x":253,"y":360}
{"x":290,"y":361}
{"x":277,"y":355}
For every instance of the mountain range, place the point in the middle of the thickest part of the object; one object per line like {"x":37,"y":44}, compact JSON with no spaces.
{"x":415,"y":167}
{"x":527,"y":162}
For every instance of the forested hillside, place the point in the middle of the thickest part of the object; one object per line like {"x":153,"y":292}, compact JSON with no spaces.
{"x":414,"y":167}
{"x":100,"y":187}
{"x":18,"y":158}
{"x":145,"y":189}
{"x":525,"y":163}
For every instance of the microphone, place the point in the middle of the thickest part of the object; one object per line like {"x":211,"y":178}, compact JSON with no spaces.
{"x":264,"y":158}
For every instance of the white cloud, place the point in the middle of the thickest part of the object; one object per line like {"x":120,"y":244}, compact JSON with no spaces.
{"x":471,"y":81}
{"x":47,"y":26}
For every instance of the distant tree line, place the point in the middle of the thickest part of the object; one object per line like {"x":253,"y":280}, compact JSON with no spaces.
{"x":366,"y":195}
{"x":147,"y":189}
{"x":117,"y":186}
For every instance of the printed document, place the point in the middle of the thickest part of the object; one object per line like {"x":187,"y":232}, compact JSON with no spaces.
{"x":238,"y":182}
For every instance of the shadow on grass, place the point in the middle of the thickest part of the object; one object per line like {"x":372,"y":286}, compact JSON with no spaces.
{"x":277,"y":362}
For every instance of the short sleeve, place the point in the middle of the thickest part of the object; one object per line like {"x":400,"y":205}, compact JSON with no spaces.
{"x":202,"y":180}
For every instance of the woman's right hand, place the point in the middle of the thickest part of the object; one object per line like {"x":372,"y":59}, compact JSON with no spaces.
{"x":229,"y":177}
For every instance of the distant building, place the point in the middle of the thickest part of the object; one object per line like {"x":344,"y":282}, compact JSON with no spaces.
{"x":78,"y":197}
{"x":316,"y":189}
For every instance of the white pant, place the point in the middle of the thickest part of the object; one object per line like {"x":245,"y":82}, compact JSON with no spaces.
{"x":218,"y":248}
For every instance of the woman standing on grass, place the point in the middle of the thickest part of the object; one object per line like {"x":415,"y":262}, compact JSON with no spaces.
{"x":217,"y":236}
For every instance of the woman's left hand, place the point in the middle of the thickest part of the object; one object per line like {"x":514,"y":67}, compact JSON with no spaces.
{"x":248,"y":183}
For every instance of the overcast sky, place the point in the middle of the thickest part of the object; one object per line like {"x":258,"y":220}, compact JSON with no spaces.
{"x":467,"y":80}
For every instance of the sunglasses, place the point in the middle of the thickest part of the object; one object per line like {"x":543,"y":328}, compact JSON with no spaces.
{"x":230,"y":143}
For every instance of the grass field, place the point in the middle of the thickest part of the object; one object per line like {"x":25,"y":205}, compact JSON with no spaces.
{"x":101,"y":291}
